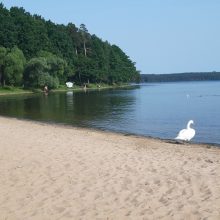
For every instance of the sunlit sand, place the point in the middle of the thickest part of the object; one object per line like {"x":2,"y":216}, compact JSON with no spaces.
{"x":60,"y":172}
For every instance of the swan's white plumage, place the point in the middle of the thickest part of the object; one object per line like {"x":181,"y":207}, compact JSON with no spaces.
{"x":186,"y":134}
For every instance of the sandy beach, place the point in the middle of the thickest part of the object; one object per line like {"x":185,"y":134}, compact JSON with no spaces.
{"x":60,"y":172}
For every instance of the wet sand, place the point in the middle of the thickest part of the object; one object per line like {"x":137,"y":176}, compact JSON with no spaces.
{"x":60,"y":172}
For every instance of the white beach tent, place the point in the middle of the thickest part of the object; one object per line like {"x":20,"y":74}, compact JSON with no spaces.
{"x":69,"y":84}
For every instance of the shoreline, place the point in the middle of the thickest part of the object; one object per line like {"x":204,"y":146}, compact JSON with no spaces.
{"x":78,"y":89}
{"x":16,"y":93}
{"x":166,"y":140}
{"x":52,"y":171}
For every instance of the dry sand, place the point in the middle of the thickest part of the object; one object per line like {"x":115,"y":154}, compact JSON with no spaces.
{"x":58,"y":172}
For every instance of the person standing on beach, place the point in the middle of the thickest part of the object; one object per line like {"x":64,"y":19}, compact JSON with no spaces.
{"x":46,"y":89}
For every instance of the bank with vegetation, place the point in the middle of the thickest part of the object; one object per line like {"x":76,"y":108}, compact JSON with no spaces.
{"x":35,"y":52}
{"x":13,"y":90}
{"x":175,"y":77}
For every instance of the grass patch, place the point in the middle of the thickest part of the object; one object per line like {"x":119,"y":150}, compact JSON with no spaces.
{"x":8,"y":90}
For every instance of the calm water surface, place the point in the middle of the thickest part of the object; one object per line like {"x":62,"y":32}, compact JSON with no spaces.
{"x":158,"y":110}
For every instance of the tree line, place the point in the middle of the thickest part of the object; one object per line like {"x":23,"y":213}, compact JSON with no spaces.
{"x":35,"y":52}
{"x":174,"y":77}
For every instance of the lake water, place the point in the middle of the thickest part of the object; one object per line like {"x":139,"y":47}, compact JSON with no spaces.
{"x":158,"y":110}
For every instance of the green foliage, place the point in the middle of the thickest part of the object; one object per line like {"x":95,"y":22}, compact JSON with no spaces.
{"x":47,"y":69}
{"x":12,"y":66}
{"x":56,"y":53}
{"x":57,"y":66}
{"x":34,"y":68}
{"x":37,"y":74}
{"x":3,"y":53}
{"x":46,"y":79}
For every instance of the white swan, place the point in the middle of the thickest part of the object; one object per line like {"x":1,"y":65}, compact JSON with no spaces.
{"x":186,"y":134}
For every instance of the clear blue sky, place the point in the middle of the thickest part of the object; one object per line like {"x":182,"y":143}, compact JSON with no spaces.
{"x":161,"y":36}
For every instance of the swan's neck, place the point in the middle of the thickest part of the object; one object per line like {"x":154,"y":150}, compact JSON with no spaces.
{"x":188,"y":125}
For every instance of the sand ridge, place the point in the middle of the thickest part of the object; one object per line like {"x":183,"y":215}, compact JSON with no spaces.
{"x":61,"y":172}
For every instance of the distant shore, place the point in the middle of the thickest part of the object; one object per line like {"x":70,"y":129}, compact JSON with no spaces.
{"x":20,"y":91}
{"x":61,"y":172}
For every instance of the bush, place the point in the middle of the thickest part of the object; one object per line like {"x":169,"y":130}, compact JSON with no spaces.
{"x":36,"y":74}
{"x":47,"y":79}
{"x":7,"y":87}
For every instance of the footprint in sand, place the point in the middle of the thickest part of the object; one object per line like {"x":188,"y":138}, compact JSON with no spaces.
{"x":164,"y":201}
{"x":169,"y":191}
{"x":59,"y":209}
{"x":157,"y":182}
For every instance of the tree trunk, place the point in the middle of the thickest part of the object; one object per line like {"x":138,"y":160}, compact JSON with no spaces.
{"x":1,"y":76}
{"x":80,"y":78}
{"x":84,"y":45}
